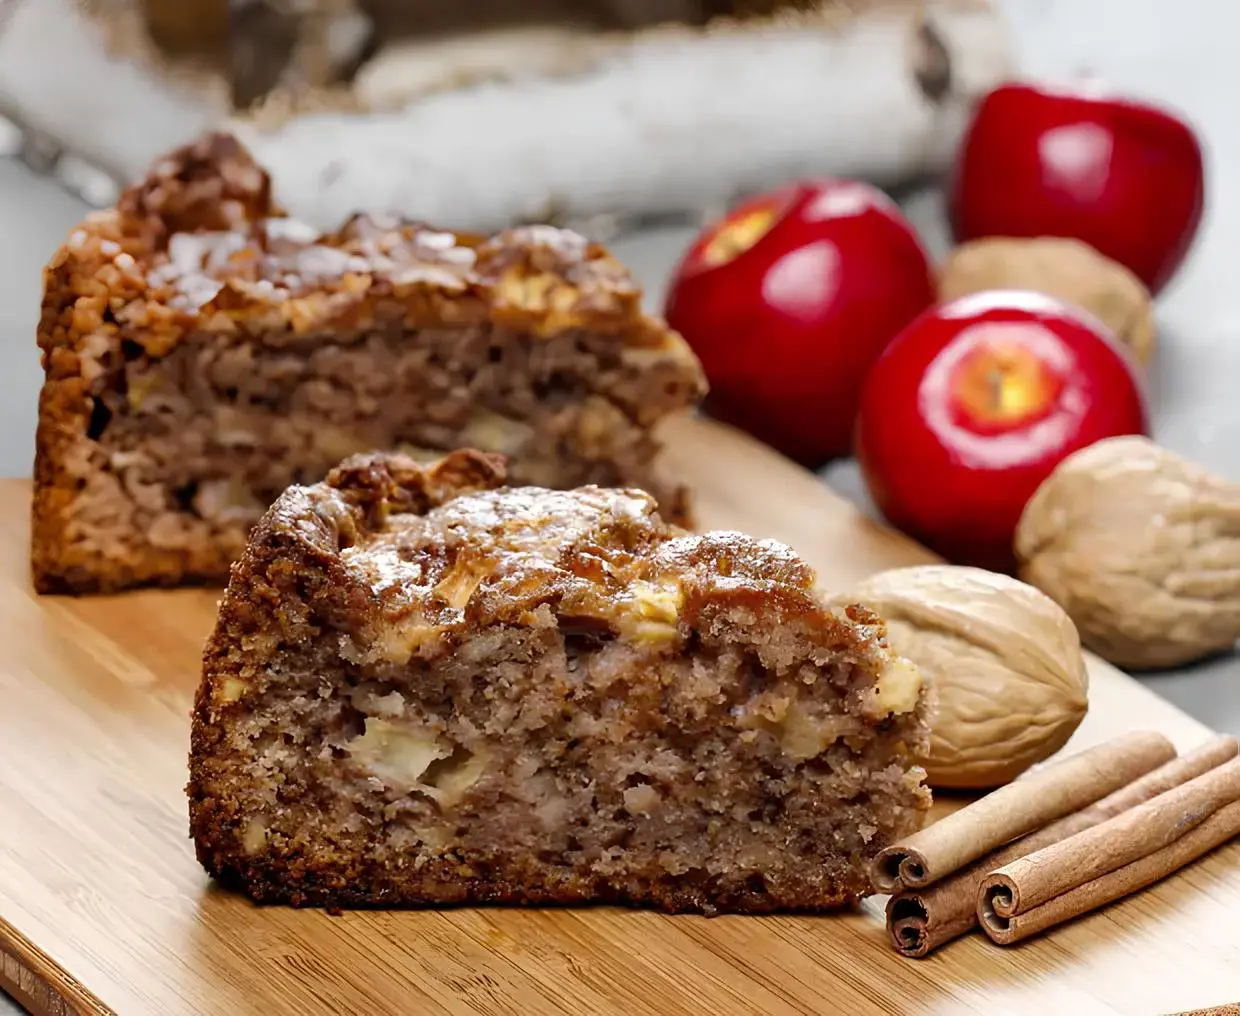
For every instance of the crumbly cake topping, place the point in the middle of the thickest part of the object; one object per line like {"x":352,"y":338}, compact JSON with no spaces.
{"x":202,"y":244}
{"x":445,"y":548}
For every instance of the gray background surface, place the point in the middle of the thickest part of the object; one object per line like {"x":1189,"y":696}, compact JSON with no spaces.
{"x":1179,"y":51}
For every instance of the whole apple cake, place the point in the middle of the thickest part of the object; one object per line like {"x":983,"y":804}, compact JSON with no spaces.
{"x":424,"y":687}
{"x":202,"y":352}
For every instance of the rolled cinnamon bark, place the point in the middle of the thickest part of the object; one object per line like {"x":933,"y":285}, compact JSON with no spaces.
{"x":1215,"y":830}
{"x":1019,"y":808}
{"x":921,"y":920}
{"x":1030,"y":881}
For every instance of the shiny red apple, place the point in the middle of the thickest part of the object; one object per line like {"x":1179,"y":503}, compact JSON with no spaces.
{"x":1123,"y":176}
{"x":973,"y":406}
{"x":790,"y":299}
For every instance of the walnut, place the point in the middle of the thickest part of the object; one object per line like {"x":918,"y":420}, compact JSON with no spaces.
{"x":1142,"y":548}
{"x":1003,"y":660}
{"x":1069,"y":270}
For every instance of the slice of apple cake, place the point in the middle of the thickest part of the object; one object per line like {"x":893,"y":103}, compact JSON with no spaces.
{"x":427,"y":688}
{"x":202,"y":351}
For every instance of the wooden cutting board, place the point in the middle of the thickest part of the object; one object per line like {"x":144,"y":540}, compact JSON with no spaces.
{"x":104,"y":909}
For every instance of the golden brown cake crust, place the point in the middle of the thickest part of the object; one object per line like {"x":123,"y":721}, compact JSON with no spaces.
{"x":201,"y":242}
{"x":398,"y":569}
{"x":200,"y":252}
{"x":464,"y":552}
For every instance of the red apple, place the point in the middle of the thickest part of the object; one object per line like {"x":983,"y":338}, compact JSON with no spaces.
{"x":789,"y":300}
{"x":1125,"y":177}
{"x":974,"y":405}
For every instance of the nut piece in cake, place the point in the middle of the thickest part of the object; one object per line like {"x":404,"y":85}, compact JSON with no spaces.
{"x":426,"y":687}
{"x":202,"y":352}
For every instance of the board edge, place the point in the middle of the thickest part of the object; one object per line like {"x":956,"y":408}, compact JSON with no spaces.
{"x":39,"y":984}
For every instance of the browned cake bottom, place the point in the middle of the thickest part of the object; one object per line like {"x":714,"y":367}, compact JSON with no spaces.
{"x":716,"y":748}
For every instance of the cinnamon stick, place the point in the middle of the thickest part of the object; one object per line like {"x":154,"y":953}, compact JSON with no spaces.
{"x":921,"y":920}
{"x":1215,"y":830}
{"x":1019,"y":808}
{"x":1028,"y":882}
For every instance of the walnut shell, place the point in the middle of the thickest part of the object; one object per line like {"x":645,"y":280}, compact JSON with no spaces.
{"x":1005,"y":663}
{"x":1069,"y":270}
{"x":1142,"y":548}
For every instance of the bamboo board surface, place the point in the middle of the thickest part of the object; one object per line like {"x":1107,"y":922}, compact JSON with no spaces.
{"x":104,"y":909}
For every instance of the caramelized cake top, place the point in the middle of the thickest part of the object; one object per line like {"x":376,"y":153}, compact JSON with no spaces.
{"x":422,"y":557}
{"x":201,"y":245}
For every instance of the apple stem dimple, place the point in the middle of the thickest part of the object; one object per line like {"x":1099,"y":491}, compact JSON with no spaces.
{"x":997,"y":377}
{"x":1002,"y":383}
